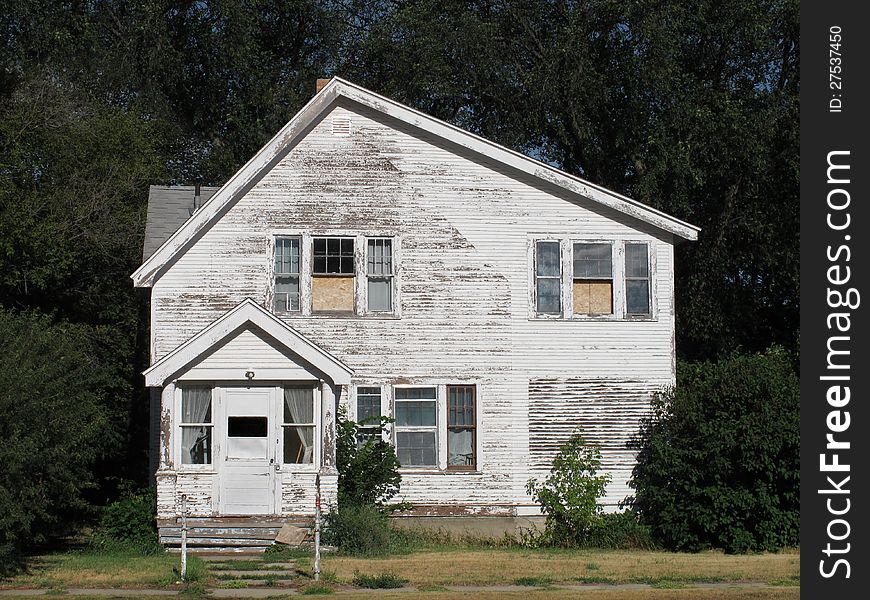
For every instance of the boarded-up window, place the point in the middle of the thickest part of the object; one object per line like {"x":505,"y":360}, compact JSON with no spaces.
{"x":593,"y":279}
{"x":461,"y":430}
{"x":287,"y":274}
{"x":379,"y":274}
{"x":332,"y":283}
{"x":368,"y":412}
{"x":548,"y":278}
{"x":637,"y":279}
{"x":416,"y":426}
{"x":196,"y":426}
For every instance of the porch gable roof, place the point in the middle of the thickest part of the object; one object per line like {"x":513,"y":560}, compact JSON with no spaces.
{"x":247,"y":312}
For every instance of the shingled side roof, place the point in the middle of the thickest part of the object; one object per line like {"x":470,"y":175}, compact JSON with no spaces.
{"x":169,"y":207}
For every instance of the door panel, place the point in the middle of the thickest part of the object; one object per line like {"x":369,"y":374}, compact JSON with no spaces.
{"x":248,"y":482}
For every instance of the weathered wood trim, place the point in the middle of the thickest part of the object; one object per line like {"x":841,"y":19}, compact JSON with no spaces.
{"x":248,"y":312}
{"x":277,"y":147}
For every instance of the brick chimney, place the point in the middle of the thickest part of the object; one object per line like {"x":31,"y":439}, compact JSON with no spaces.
{"x":321,"y":83}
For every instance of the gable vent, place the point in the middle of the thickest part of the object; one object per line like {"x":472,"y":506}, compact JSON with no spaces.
{"x":340,"y":126}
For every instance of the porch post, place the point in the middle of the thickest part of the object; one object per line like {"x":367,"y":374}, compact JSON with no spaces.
{"x":167,"y":400}
{"x":328,"y":397}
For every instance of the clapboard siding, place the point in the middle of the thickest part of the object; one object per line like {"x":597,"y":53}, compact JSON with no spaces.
{"x":607,"y":413}
{"x":464,"y":226}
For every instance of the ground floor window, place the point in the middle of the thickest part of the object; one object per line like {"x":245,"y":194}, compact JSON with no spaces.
{"x":368,"y":413}
{"x":196,"y":426}
{"x":416,"y":426}
{"x":298,"y":425}
{"x":421,"y":434}
{"x":461,"y":427}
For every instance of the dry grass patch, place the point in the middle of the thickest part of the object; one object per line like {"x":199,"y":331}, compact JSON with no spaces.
{"x":81,"y":569}
{"x":503,"y":567}
{"x":621,"y":594}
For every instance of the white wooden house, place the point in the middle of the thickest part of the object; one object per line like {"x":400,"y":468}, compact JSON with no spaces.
{"x":375,"y":257}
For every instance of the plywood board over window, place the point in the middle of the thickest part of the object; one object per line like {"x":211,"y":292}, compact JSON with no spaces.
{"x":592,"y":287}
{"x":332,"y":282}
{"x":332,"y":294}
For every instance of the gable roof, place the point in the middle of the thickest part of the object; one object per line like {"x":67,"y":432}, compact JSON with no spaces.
{"x":169,"y":207}
{"x":273,"y":151}
{"x":247,"y":313}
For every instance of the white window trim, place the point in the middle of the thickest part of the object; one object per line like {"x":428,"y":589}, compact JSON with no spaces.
{"x":177,"y":425}
{"x":440,"y":455}
{"x":306,"y":273}
{"x":441,"y":427}
{"x":313,"y":466}
{"x":534,"y":274}
{"x":364,"y":288}
{"x":618,"y":271}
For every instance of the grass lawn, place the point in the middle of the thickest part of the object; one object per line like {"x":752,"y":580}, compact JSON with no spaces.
{"x":524,"y":567}
{"x":430,"y":570}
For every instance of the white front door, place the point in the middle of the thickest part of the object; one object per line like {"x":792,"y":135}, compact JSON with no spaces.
{"x":248,"y":478}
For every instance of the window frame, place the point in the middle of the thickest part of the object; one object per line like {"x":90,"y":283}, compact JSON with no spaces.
{"x":391,"y":277}
{"x":612,"y":279}
{"x":373,"y":431}
{"x":649,"y":281}
{"x":396,"y":429}
{"x":359,"y":278}
{"x":535,"y":277}
{"x":618,"y":272}
{"x":180,"y":425}
{"x":473,"y":427}
{"x":276,"y":274}
{"x":315,"y":457}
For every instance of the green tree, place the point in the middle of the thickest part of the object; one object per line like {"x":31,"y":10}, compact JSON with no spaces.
{"x":691,"y":107}
{"x":368,"y":473}
{"x":55,"y":426}
{"x":719,"y":459}
{"x":569,"y":495}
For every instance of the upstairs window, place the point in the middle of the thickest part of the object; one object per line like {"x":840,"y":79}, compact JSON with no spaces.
{"x":592,"y":287}
{"x":287,"y":274}
{"x":637,"y":292}
{"x":379,"y":274}
{"x":548,"y":278}
{"x":196,"y":426}
{"x":332,"y":281}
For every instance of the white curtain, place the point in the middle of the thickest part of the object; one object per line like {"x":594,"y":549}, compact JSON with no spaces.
{"x":300,"y":404}
{"x":196,"y":441}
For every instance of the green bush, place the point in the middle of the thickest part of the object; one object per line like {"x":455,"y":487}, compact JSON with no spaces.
{"x":569,"y":495}
{"x":129,"y":523}
{"x":382,"y":581}
{"x":619,"y":531}
{"x":367,"y":473}
{"x":359,"y":530}
{"x":719,"y":459}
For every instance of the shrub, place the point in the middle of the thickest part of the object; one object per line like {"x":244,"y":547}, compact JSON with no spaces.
{"x":382,"y":581}
{"x":619,"y":531}
{"x":367,"y":473}
{"x":569,"y":495}
{"x":718,"y":463}
{"x":129,"y":523}
{"x":360,"y":530}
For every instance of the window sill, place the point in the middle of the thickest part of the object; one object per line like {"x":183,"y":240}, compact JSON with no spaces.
{"x":436,"y":471}
{"x":338,"y":315}
{"x":596,"y":319}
